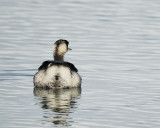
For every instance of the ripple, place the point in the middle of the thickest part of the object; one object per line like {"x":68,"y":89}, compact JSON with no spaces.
{"x":115,"y":47}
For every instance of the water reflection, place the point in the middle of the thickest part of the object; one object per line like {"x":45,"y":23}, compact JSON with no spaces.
{"x":61,"y":102}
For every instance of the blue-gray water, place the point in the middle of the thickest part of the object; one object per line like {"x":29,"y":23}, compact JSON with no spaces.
{"x":116,"y":47}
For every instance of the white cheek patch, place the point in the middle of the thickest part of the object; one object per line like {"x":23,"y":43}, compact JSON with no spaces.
{"x":62,"y":48}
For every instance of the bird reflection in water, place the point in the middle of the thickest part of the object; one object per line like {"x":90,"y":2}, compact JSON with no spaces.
{"x":61,"y":102}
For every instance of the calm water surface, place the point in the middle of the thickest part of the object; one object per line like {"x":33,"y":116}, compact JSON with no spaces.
{"x":116,"y":47}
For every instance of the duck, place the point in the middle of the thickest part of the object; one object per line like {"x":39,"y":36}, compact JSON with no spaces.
{"x":57,"y":73}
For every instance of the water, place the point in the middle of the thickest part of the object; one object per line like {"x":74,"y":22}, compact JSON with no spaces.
{"x":115,"y":47}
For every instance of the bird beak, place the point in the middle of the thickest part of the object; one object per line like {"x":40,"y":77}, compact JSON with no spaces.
{"x":69,"y":49}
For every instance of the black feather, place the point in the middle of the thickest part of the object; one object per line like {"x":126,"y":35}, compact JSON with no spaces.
{"x":45,"y":64}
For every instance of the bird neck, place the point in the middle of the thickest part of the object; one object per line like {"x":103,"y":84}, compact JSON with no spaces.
{"x":58,"y":57}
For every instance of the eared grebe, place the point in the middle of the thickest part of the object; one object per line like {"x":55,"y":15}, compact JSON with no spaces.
{"x":57,"y":73}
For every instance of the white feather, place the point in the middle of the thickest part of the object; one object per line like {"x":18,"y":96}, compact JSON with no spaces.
{"x":67,"y":78}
